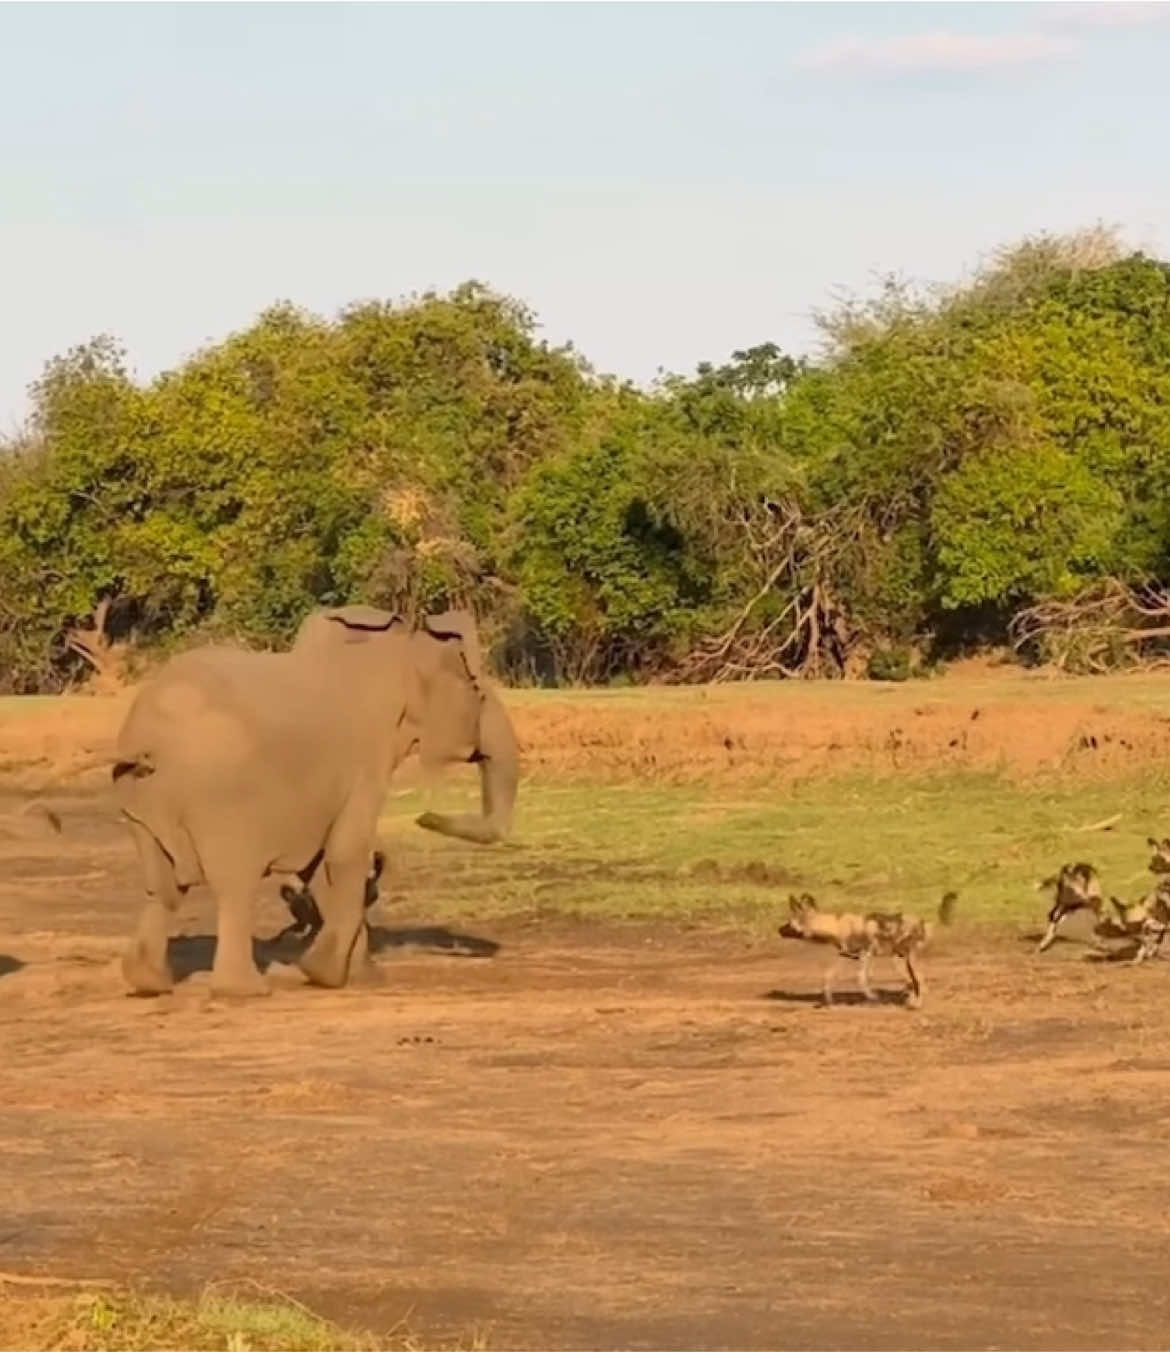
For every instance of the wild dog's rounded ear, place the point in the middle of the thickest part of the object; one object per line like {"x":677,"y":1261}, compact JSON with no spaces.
{"x":459,"y":625}
{"x":1151,"y":842}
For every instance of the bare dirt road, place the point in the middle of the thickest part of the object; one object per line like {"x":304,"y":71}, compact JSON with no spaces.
{"x":550,"y":1134}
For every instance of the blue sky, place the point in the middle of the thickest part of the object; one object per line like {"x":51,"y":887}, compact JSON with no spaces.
{"x":662,"y":183}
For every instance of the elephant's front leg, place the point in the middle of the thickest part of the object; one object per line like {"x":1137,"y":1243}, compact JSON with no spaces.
{"x":341,"y":947}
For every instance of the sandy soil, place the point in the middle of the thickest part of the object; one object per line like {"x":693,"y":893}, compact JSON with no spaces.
{"x":555,"y":1135}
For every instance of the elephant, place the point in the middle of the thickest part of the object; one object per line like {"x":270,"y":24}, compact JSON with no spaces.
{"x":233,"y":765}
{"x":306,"y":915}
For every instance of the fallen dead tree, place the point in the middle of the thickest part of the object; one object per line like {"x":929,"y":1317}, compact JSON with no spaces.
{"x":791,"y":626}
{"x":1109,"y":626}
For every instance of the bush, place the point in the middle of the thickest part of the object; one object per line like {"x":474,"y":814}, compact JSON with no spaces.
{"x":954,"y":461}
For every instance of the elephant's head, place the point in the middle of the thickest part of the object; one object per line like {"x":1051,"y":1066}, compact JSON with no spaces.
{"x":460,"y":718}
{"x":451,"y":714}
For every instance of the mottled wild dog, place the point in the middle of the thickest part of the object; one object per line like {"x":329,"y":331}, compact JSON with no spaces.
{"x":864,"y":936}
{"x":1077,"y":887}
{"x":306,"y":915}
{"x":1148,"y":919}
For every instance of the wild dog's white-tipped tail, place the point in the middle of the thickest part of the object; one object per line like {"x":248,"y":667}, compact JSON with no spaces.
{"x":32,"y":819}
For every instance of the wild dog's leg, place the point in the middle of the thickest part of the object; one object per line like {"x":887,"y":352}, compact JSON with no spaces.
{"x":1148,"y":945}
{"x":863,"y":975}
{"x":914,"y":995}
{"x":1153,"y":933}
{"x":1055,"y":916}
{"x":834,"y":963}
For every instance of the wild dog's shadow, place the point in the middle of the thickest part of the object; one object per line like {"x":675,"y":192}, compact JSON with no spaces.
{"x":1105,"y":931}
{"x":1125,"y":953}
{"x":435,"y":939}
{"x":1124,"y":947}
{"x":1033,"y":937}
{"x":817,"y":998}
{"x":9,"y":963}
{"x":190,"y":954}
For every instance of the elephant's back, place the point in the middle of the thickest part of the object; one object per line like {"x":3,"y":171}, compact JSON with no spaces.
{"x":210,"y":700}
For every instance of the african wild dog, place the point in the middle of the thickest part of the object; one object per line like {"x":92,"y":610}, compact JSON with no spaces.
{"x":862,"y":937}
{"x":306,"y":914}
{"x":1077,"y":887}
{"x":1148,"y":919}
{"x":1160,"y":860}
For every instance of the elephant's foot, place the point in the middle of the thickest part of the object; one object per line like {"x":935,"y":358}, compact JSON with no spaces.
{"x":144,"y":975}
{"x":327,"y":962}
{"x":237,"y":980}
{"x":364,"y":972}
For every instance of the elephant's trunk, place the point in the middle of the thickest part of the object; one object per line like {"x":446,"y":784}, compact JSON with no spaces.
{"x":499,"y":770}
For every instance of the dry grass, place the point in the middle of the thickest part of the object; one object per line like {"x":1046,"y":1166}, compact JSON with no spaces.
{"x":770,"y":733}
{"x":774,"y":734}
{"x":120,"y":1319}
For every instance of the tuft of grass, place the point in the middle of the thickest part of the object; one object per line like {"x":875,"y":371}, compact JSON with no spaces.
{"x":123,"y":1319}
{"x":218,"y":1320}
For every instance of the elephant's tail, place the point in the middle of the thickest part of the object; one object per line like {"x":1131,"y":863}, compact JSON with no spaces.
{"x":150,"y":802}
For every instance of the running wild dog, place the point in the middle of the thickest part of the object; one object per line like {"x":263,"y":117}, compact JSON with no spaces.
{"x":1077,"y":886}
{"x":861,"y":938}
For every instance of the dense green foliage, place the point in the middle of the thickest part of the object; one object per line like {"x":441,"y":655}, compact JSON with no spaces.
{"x":950,"y":462}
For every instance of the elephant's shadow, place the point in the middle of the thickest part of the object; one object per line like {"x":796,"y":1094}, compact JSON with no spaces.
{"x":195,"y":953}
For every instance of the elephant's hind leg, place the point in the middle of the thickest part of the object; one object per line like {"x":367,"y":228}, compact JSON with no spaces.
{"x":234,"y":972}
{"x":144,"y":964}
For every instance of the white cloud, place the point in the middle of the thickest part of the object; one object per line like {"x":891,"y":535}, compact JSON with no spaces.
{"x":939,"y":51}
{"x":1106,"y":13}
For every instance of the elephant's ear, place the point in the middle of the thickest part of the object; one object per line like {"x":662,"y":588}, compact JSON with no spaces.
{"x":347,"y":624}
{"x":357,"y":623}
{"x":459,"y":625}
{"x":362,"y":617}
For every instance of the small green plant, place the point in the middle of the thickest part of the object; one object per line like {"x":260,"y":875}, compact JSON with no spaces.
{"x":895,"y":663}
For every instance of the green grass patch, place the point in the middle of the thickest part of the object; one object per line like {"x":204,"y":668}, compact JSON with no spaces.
{"x":628,"y":850}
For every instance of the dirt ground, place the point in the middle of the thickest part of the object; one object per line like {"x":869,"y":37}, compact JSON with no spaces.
{"x":558,"y":1134}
